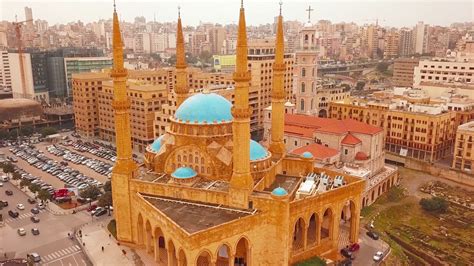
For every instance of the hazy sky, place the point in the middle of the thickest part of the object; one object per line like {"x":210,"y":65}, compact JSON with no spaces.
{"x":395,"y":13}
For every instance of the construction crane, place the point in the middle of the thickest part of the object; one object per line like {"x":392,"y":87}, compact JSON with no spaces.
{"x":18,"y":26}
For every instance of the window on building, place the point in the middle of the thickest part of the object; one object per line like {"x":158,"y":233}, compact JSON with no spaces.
{"x":302,"y":104}
{"x":303,"y":72}
{"x":346,"y":151}
{"x":303,"y":87}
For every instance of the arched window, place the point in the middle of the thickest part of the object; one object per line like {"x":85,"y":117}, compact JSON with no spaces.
{"x":179,"y":158}
{"x":190,"y":158}
{"x":302,"y":87}
{"x":202,"y":169}
{"x":196,"y":160}
{"x":306,"y":37}
{"x":202,"y":160}
{"x":302,"y":104}
{"x":312,"y":72}
{"x":312,"y":86}
{"x":185,"y":158}
{"x":312,"y":102}
{"x":303,"y":72}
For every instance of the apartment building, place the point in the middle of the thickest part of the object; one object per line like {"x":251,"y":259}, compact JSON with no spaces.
{"x":403,"y":71}
{"x":464,"y":148}
{"x":439,"y":76}
{"x":421,"y":131}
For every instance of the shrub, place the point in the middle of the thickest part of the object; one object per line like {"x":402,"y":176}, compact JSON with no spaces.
{"x":435,"y":204}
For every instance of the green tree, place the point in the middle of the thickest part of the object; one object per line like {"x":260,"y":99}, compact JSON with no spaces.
{"x":205,"y":57}
{"x":91,"y":192}
{"x":435,"y":204}
{"x":108,"y":186}
{"x":382,"y":67}
{"x":34,"y":188}
{"x":46,"y":131}
{"x":44,"y":195}
{"x":172,"y":60}
{"x":24,"y":183}
{"x":16,"y":176}
{"x":26,"y":131}
{"x":8,"y":168}
{"x":360,"y":85}
{"x":4,"y":135}
{"x":105,"y":199}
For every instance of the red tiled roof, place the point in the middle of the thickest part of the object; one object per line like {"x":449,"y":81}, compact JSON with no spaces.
{"x":349,"y":139}
{"x":330,"y":125}
{"x":300,"y":131}
{"x":319,"y":151}
{"x":361,"y":156}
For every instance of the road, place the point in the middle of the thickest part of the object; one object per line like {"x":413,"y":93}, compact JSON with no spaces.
{"x":367,"y":250}
{"x":52,"y":244}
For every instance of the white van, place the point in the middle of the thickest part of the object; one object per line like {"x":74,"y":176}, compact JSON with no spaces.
{"x":4,"y":178}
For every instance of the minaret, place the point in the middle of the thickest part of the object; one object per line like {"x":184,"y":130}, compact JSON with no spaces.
{"x":124,"y":166}
{"x":277,"y":147}
{"x":241,"y":183}
{"x":181,"y":74}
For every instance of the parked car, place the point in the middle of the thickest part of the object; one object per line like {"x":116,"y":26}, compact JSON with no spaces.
{"x":354,"y":247}
{"x":35,"y":231}
{"x":8,"y":192}
{"x":92,"y":207}
{"x":347,"y":253}
{"x":373,"y":235}
{"x":378,"y":256}
{"x":40,"y":206}
{"x":34,"y":257}
{"x":13,"y":214}
{"x":35,"y":219}
{"x":4,"y":203}
{"x":35,"y":211}
{"x":20,"y":206}
{"x":21,"y":231}
{"x":31,"y":201}
{"x":100,"y":212}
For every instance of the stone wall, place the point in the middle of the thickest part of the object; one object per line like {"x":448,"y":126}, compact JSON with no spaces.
{"x":433,"y":169}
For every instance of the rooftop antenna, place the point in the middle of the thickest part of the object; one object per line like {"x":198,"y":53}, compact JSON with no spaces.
{"x":281,"y":3}
{"x":114,"y":7}
{"x":179,"y":12}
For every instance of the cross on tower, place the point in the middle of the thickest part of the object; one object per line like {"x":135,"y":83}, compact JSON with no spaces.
{"x":309,"y":13}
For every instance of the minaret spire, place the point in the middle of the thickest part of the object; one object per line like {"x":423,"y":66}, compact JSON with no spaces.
{"x":241,"y":183}
{"x":124,"y":166}
{"x":181,"y":79}
{"x":277,"y":146}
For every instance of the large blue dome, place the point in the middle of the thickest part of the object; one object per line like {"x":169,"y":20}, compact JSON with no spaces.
{"x":205,"y":107}
{"x":184,"y":173}
{"x":257,"y":151}
{"x":156,"y":145}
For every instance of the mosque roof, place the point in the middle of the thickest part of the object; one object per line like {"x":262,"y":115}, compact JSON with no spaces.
{"x":193,"y":216}
{"x":184,"y":172}
{"x":307,"y":154}
{"x":205,"y":108}
{"x":279,"y":191}
{"x":257,"y":151}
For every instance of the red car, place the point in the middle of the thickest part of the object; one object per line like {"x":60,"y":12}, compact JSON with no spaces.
{"x":354,"y":247}
{"x":92,"y":207}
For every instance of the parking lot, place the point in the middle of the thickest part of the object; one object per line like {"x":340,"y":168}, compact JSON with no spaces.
{"x":52,"y":242}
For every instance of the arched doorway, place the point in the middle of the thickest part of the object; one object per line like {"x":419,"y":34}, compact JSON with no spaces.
{"x":223,"y":256}
{"x":160,"y":247}
{"x":344,"y":226}
{"x":140,"y":230}
{"x":148,"y":238}
{"x":242,"y":252}
{"x":182,"y":261}
{"x":298,"y":234}
{"x":312,"y":236}
{"x":323,"y":113}
{"x":204,"y":259}
{"x":172,"y":260}
{"x":327,"y":225}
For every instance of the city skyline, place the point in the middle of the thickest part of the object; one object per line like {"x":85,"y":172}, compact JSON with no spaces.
{"x":367,"y":12}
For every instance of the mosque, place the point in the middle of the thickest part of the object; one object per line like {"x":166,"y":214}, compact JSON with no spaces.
{"x":207,"y":194}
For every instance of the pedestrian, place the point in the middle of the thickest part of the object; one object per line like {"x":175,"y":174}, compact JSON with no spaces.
{"x":102,"y":248}
{"x":5,"y":255}
{"x":83,"y":244}
{"x":124,"y":252}
{"x":110,"y":235}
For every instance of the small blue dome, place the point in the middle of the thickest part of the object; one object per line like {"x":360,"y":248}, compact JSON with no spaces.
{"x":205,"y":107}
{"x":279,"y":191}
{"x":156,"y":145}
{"x":307,"y":154}
{"x":257,"y":151}
{"x":184,"y":172}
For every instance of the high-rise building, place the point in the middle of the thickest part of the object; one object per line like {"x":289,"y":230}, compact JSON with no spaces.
{"x":406,"y":45}
{"x":403,"y":71}
{"x":421,"y":38}
{"x":391,"y":42}
{"x":29,"y":17}
{"x":74,"y":65}
{"x":22,"y":85}
{"x":216,"y":39}
{"x":5,"y":72}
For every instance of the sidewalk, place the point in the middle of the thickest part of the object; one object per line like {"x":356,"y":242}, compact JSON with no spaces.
{"x":95,"y":236}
